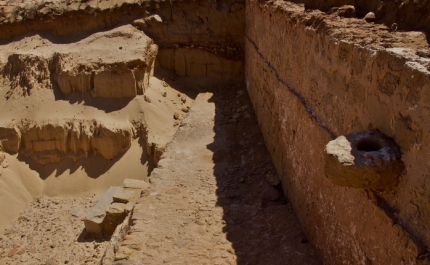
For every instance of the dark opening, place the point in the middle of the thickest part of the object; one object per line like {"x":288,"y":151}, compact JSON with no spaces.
{"x":368,"y":145}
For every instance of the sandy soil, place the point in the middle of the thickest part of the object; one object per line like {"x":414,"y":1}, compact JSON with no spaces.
{"x":43,"y":205}
{"x":50,"y":231}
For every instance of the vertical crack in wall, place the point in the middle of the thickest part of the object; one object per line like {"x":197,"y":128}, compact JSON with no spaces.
{"x":296,"y":93}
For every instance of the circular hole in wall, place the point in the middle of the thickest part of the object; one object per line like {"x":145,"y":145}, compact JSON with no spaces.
{"x":368,"y":145}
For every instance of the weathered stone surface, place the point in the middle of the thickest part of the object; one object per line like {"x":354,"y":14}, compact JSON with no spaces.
{"x":324,"y":84}
{"x":98,"y":64}
{"x":10,"y":139}
{"x":116,"y":208}
{"x":94,"y":219}
{"x":366,"y":159}
{"x":135,"y":184}
{"x":126,"y":195}
{"x":370,"y":17}
{"x":54,"y":140}
{"x":115,"y":215}
{"x":347,"y":11}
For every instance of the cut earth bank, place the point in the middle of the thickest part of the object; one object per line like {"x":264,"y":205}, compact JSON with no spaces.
{"x":311,"y":75}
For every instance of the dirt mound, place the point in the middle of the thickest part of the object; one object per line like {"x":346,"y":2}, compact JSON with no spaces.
{"x":112,"y":64}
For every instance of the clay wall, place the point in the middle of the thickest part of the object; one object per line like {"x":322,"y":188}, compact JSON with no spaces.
{"x":309,"y":84}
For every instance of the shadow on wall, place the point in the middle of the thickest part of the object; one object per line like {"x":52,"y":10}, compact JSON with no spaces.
{"x":259,"y":222}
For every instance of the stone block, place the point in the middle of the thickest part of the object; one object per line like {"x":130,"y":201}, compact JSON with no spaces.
{"x":115,"y":215}
{"x":95,"y":218}
{"x":116,"y":208}
{"x":126,"y":195}
{"x":135,"y":184}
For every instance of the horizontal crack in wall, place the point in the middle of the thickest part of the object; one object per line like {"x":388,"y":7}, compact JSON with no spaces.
{"x":297,"y":94}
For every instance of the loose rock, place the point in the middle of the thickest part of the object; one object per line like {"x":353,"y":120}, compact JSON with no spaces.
{"x":370,"y":17}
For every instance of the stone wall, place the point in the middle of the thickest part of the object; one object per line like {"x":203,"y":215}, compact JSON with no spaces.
{"x":309,"y":83}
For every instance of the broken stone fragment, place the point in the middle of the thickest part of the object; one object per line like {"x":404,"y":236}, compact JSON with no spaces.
{"x":153,"y":20}
{"x":116,"y":208}
{"x":139,"y":23}
{"x":95,"y":218}
{"x":135,"y":184}
{"x":368,"y":160}
{"x":370,"y":17}
{"x":346,"y":11}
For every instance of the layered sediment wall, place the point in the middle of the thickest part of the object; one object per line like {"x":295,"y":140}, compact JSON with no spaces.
{"x":185,"y":28}
{"x":313,"y":77}
{"x":52,"y":141}
{"x":98,"y":64}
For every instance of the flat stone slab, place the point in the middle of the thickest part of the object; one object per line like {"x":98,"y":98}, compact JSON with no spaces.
{"x":94,"y":219}
{"x":126,"y":195}
{"x":135,"y":184}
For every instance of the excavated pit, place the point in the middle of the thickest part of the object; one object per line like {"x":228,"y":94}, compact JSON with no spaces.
{"x":87,"y":106}
{"x":96,"y":92}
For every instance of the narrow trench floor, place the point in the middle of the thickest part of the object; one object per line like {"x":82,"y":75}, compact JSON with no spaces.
{"x":211,"y":199}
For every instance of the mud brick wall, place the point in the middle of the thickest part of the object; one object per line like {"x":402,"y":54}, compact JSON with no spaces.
{"x":308,"y":87}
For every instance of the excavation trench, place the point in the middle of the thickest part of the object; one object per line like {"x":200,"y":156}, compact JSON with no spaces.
{"x":94,"y":93}
{"x":86,"y":107}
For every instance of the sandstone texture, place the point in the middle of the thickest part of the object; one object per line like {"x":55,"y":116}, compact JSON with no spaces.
{"x":51,"y":142}
{"x":363,"y":160}
{"x":313,"y":77}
